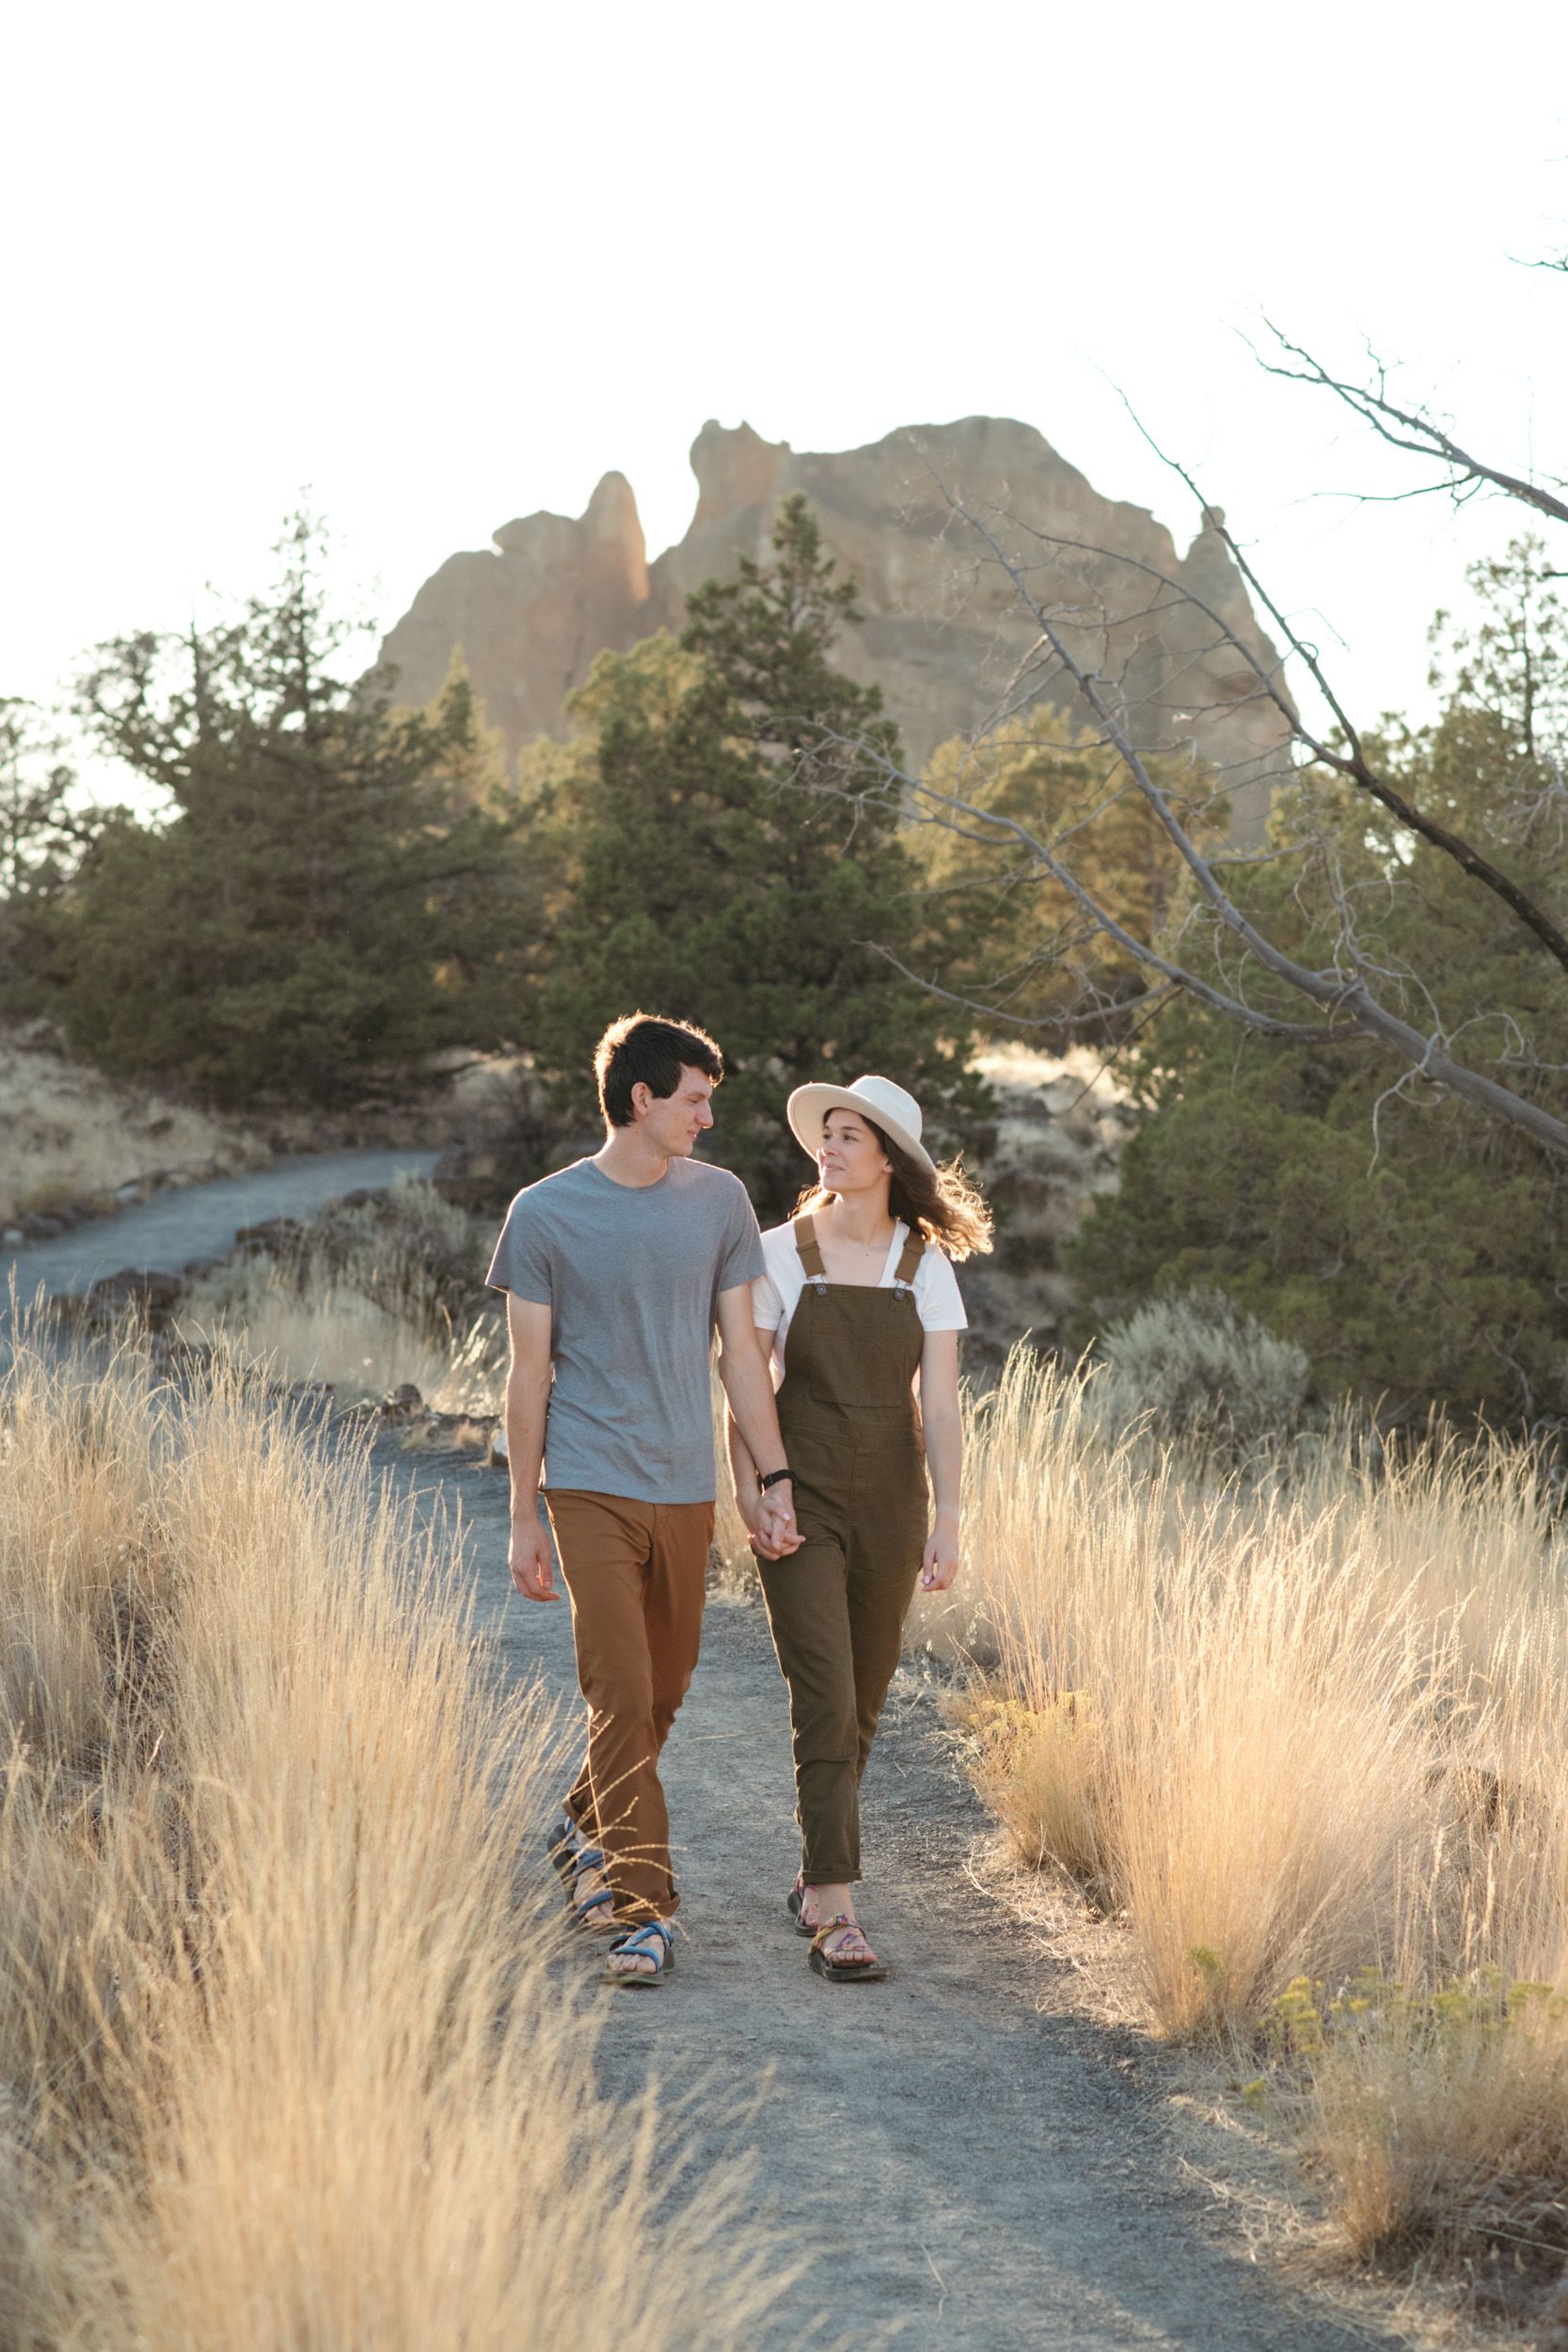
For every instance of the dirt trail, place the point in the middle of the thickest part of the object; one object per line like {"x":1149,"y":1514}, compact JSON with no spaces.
{"x":967,"y":2172}
{"x":973,"y":2172}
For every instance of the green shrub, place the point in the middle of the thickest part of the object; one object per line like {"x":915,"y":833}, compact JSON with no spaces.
{"x":1201,"y":1369}
{"x":1413,"y":1245}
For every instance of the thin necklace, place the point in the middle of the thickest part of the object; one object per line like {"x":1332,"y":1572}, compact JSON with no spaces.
{"x":868,"y":1248}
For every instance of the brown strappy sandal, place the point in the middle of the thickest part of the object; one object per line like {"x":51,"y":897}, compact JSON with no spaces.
{"x":861,"y":1967}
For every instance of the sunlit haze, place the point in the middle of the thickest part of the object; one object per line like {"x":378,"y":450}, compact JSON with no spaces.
{"x":449,"y":266}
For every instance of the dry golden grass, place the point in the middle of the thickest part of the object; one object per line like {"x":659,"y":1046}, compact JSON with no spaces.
{"x":365,"y":1318}
{"x":1434,"y":2116}
{"x":1293,"y":1727}
{"x":1043,"y":1768}
{"x":305,"y":1321}
{"x":72,"y":1135}
{"x":281,"y":2062}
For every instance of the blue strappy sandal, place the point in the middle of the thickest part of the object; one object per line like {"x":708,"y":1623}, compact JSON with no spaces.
{"x":573,"y":1858}
{"x":651,"y":1939}
{"x":595,"y":1912}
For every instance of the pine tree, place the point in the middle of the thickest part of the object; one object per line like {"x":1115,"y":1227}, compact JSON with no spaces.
{"x":317,"y":901}
{"x":726,"y":864}
{"x":1412,"y":1247}
{"x":46,"y":828}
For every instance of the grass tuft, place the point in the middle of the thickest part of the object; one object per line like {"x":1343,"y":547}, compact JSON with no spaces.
{"x":1297,"y":1728}
{"x":283,"y":2060}
{"x":366,"y":1299}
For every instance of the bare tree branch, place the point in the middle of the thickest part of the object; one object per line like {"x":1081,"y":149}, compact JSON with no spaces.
{"x":1352,"y":763}
{"x":1413,"y":429}
{"x":1353,"y":999}
{"x":1150,"y":1000}
{"x":1347,"y":995}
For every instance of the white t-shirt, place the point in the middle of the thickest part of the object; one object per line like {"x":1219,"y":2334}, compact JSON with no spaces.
{"x":776,"y":1292}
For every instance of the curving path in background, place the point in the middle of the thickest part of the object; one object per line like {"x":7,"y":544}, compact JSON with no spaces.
{"x":176,"y":1229}
{"x":966,"y":2173}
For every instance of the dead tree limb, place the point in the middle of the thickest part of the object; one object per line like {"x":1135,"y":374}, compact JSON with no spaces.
{"x":1414,"y":430}
{"x":1353,"y":762}
{"x":1345,"y":995}
{"x":1343,"y":991}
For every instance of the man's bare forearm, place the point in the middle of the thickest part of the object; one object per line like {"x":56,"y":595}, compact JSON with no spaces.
{"x":743,"y":1468}
{"x":528,"y":1397}
{"x":753,"y":1410}
{"x":755,"y":1444}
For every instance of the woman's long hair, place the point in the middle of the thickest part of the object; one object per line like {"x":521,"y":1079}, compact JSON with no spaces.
{"x":945,"y":1206}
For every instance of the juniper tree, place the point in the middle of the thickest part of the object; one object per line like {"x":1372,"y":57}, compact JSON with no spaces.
{"x":721,"y":870}
{"x":1413,"y":1247}
{"x":46,"y":828}
{"x":312,"y":900}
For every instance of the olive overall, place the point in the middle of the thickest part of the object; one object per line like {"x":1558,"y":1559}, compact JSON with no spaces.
{"x":852,"y":1438}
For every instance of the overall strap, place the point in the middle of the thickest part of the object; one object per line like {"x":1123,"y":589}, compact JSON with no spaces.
{"x":909,"y":1257}
{"x":811,"y":1255}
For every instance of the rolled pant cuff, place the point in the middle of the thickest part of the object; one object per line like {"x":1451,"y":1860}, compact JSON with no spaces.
{"x":833,"y":1874}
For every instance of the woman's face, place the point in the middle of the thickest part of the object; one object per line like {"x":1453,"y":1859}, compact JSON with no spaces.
{"x":849,"y":1158}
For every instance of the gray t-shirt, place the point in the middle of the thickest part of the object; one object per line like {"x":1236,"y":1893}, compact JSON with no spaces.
{"x":632,"y":1276}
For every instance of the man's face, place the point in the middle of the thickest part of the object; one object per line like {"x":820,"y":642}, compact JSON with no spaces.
{"x":672,"y":1126}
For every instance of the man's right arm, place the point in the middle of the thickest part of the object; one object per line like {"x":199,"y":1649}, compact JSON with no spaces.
{"x":743,"y":1369}
{"x":528,"y":1397}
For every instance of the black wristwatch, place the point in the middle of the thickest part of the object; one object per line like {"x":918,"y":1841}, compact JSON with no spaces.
{"x":772,"y":1479}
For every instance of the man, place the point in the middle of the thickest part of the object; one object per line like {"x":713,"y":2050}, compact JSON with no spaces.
{"x":617,"y":1270}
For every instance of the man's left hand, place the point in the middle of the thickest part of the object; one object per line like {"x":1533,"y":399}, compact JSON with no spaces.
{"x":776,"y":1521}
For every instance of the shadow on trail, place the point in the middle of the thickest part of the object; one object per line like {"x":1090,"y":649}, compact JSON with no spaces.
{"x":964,"y":2172}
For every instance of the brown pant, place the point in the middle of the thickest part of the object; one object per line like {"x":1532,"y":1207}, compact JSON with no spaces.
{"x":636,"y":1573}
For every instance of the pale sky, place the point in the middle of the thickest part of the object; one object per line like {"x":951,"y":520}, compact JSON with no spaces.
{"x":447,"y":266}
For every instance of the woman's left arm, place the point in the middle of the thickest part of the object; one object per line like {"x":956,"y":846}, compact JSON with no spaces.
{"x":944,"y":1452}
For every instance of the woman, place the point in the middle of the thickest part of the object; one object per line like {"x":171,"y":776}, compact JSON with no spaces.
{"x":861,"y":1312}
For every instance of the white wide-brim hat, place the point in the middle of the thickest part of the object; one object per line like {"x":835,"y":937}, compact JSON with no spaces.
{"x":895,"y":1112}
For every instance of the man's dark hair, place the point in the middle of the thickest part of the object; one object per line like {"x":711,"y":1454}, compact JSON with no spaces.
{"x":641,"y":1050}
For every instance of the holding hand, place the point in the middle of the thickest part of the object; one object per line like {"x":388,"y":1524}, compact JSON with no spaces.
{"x":769,"y":1521}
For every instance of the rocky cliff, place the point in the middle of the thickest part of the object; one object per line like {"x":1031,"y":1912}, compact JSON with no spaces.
{"x":944,"y":636}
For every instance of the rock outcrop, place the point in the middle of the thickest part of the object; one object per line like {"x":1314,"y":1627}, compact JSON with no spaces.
{"x":531,"y":614}
{"x":943,"y":635}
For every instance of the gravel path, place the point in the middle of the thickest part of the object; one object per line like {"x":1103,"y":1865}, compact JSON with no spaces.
{"x":972,"y":2173}
{"x":175,"y":1229}
{"x":969,"y":2173}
